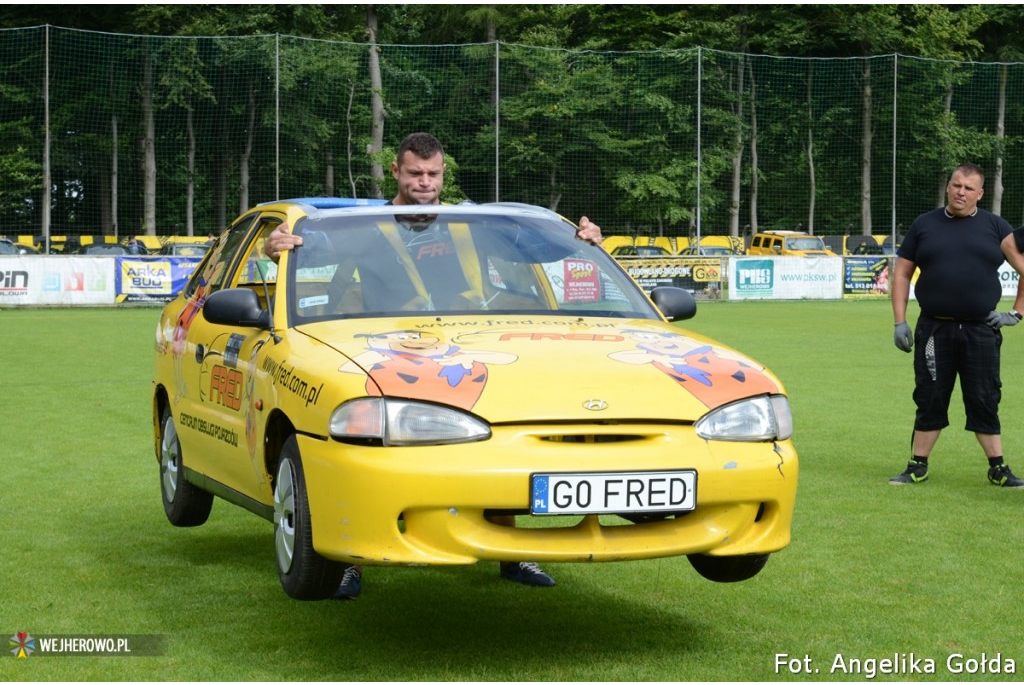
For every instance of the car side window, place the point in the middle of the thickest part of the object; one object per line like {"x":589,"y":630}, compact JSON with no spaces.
{"x":257,"y":268}
{"x":211,"y":274}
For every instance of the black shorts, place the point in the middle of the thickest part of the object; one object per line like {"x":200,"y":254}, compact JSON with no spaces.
{"x":946,"y":351}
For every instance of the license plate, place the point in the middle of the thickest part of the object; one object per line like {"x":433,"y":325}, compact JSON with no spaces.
{"x":613,"y":493}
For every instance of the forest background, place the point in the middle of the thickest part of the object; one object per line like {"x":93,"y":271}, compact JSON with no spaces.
{"x":653,"y":119}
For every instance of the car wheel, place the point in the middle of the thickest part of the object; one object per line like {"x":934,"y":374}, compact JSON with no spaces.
{"x":728,"y":569}
{"x":184,"y":504}
{"x":304,"y":573}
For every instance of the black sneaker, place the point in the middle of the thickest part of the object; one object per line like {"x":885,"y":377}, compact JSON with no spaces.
{"x":916,"y":473}
{"x":351,"y":584}
{"x":1002,"y":475}
{"x":525,"y":572}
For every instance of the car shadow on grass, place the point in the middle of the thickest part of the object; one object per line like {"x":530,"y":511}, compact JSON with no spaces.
{"x":216,"y":585}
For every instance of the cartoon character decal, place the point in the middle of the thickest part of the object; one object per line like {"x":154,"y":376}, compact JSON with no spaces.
{"x":713,"y":375}
{"x":249,"y":405}
{"x":421,"y":365}
{"x":214,"y":268}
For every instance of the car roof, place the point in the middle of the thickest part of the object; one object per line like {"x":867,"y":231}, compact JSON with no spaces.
{"x":185,"y":240}
{"x":322,"y":207}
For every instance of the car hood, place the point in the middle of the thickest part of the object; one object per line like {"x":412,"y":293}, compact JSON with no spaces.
{"x":510,"y":369}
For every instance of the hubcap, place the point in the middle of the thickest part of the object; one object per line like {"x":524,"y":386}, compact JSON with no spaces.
{"x":284,"y":515}
{"x":169,"y":459}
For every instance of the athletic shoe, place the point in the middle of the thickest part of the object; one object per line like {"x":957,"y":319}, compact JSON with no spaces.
{"x":1002,"y":475}
{"x":916,"y":473}
{"x":525,"y":572}
{"x":351,"y":584}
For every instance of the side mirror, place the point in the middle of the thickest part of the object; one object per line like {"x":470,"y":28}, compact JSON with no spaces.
{"x":675,"y":303}
{"x":236,"y":307}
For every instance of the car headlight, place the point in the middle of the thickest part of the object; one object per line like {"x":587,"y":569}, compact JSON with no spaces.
{"x":405,"y":422}
{"x":755,"y":419}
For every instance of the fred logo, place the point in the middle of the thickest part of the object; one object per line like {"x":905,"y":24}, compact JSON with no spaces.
{"x":226,"y":387}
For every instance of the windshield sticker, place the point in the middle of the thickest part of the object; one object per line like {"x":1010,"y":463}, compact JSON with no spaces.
{"x":581,"y":281}
{"x":316,"y":301}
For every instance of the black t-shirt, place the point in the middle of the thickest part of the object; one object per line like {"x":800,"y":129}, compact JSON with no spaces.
{"x":959,"y":259}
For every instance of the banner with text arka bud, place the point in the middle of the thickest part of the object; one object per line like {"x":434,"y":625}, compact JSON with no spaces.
{"x":786,"y":278}
{"x":42,"y":280}
{"x":153,"y":279}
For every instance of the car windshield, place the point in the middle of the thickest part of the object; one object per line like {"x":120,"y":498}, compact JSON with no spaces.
{"x":186,"y":250}
{"x":104,"y":250}
{"x":478,"y":261}
{"x":805,"y":243}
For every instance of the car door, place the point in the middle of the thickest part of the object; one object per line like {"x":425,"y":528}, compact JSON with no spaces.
{"x":217,"y":415}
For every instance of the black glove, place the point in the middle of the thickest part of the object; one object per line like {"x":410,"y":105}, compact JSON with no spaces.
{"x":903,"y":337}
{"x":999,"y":319}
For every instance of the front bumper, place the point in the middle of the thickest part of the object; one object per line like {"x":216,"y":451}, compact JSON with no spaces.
{"x":426,"y":505}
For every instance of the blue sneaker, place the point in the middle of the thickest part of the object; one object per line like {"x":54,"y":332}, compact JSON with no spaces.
{"x":351,"y":584}
{"x":526,"y":572}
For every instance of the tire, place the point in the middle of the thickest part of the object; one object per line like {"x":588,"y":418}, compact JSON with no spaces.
{"x":304,"y":574}
{"x":728,"y":569}
{"x":184,"y":504}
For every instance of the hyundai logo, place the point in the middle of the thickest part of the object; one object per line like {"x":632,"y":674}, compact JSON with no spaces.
{"x":595,"y":405}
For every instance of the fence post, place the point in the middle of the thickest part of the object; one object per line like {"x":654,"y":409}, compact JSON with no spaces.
{"x":497,"y":121}
{"x":46,"y":145}
{"x":895,"y":91}
{"x":700,"y":86}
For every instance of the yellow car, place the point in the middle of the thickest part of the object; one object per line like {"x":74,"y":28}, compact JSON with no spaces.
{"x":185,"y":246}
{"x":788,"y":243}
{"x":409,"y":373}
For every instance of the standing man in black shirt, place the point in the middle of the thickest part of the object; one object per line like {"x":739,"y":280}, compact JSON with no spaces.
{"x":959,"y":249}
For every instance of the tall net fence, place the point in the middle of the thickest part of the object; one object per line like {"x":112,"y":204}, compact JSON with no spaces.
{"x":117,"y":135}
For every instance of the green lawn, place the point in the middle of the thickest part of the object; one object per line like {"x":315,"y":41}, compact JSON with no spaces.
{"x":874,"y":571}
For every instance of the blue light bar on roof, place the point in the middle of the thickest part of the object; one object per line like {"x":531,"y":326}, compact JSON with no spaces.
{"x":336,"y":202}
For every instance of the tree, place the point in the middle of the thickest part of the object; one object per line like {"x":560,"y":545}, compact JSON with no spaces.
{"x":1000,"y":31}
{"x":21,"y":172}
{"x":184,"y":82}
{"x":377,"y":104}
{"x":148,"y":147}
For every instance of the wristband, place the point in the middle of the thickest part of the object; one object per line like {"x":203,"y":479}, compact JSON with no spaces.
{"x":1015,"y":314}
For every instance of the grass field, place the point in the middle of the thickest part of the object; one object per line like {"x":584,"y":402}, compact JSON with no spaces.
{"x":874,"y":572}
